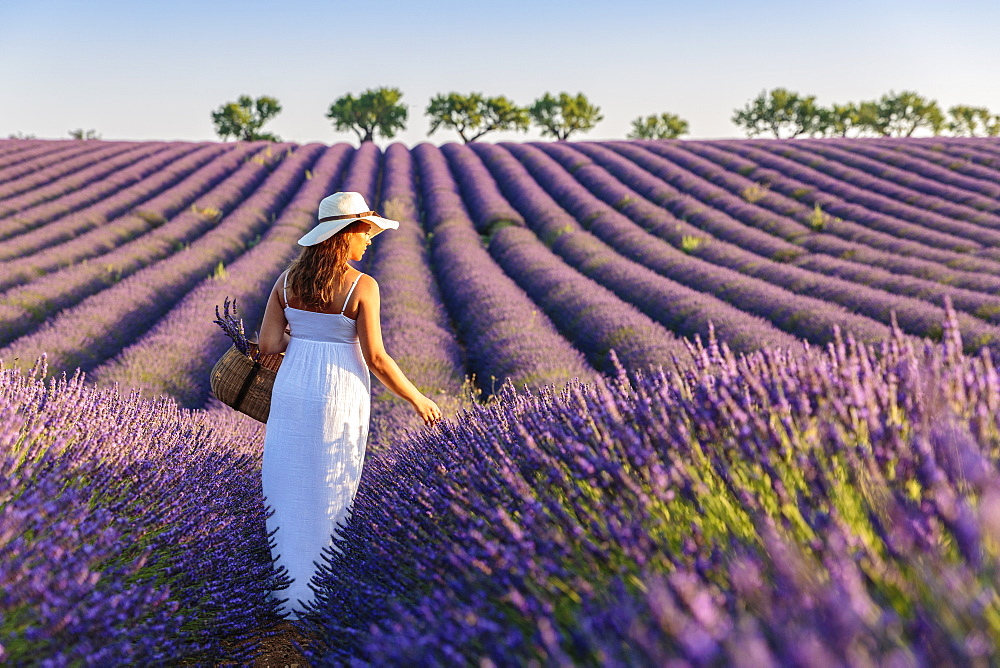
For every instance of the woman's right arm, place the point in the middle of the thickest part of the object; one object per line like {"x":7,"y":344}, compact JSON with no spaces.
{"x":378,"y":360}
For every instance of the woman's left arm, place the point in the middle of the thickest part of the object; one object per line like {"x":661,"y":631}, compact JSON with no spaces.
{"x":273,"y":330}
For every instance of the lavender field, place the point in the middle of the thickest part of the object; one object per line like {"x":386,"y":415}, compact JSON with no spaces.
{"x":792,"y":455}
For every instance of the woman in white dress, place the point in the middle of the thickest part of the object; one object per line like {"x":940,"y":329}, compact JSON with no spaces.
{"x":324,"y":315}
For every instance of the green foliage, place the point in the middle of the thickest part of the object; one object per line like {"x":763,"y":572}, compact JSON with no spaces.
{"x":781,"y":112}
{"x":207,"y":212}
{"x":474,"y":115}
{"x":777,"y":111}
{"x":788,"y":254}
{"x":244,"y":118}
{"x":691,"y":243}
{"x":664,"y":126}
{"x":755,"y":192}
{"x":837,"y":119}
{"x":374,"y":110}
{"x":817,"y":219}
{"x":900,"y":114}
{"x":560,"y":117}
{"x":973,"y":121}
{"x":80,"y":133}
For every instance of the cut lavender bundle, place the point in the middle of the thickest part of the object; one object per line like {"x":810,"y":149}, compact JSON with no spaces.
{"x":232,"y":326}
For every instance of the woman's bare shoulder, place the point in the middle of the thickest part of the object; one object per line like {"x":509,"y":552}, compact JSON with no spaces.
{"x":279,"y":282}
{"x":367,"y":290}
{"x":367,"y":282}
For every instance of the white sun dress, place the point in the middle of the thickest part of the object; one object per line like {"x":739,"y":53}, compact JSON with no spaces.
{"x":315,"y":441}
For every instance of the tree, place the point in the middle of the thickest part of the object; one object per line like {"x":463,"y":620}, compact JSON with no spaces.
{"x":664,"y":126}
{"x":244,"y":118}
{"x":475,"y":114}
{"x":899,"y":115}
{"x":973,"y":121}
{"x":80,"y":133}
{"x":869,"y":118}
{"x":560,"y":117}
{"x":780,"y":109}
{"x":836,"y":120}
{"x":374,"y":110}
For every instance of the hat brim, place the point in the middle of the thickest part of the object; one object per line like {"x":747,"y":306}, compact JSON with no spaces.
{"x":324,"y":231}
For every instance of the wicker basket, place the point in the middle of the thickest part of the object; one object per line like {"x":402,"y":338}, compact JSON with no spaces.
{"x":244,"y":384}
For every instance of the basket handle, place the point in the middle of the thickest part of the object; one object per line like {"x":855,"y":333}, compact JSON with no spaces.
{"x":247,"y":382}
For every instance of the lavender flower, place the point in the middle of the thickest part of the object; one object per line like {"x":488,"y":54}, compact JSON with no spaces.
{"x":232,"y":326}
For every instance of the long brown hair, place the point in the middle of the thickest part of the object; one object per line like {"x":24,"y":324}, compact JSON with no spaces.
{"x":317,"y":274}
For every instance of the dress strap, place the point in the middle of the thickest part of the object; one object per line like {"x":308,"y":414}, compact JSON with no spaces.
{"x":350,"y":292}
{"x":284,"y":289}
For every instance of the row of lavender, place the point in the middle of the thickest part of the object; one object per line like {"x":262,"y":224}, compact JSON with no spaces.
{"x":641,"y":242}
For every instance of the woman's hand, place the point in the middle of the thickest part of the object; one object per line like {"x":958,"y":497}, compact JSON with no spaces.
{"x":427,"y":410}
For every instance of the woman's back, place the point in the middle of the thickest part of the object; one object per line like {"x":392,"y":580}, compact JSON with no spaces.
{"x":330,"y":327}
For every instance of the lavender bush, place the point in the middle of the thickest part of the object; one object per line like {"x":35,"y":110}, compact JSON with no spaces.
{"x":131,"y":532}
{"x":488,"y":208}
{"x":768,"y":509}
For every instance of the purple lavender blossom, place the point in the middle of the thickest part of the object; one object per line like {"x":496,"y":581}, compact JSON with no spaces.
{"x":130,"y":531}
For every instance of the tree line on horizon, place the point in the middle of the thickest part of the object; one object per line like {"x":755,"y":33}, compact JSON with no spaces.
{"x":380,"y":111}
{"x":780,"y":112}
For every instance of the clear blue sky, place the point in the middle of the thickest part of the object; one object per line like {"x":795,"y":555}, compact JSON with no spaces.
{"x":155,"y":70}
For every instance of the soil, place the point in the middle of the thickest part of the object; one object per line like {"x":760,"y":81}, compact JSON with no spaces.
{"x":277,"y":650}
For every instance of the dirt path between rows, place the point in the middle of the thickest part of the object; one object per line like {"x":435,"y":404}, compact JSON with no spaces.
{"x":276,"y":649}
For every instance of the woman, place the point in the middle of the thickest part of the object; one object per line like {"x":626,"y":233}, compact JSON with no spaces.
{"x":324,"y":315}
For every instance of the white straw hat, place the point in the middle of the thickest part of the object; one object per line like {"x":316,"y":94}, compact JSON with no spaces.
{"x":340,"y":210}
